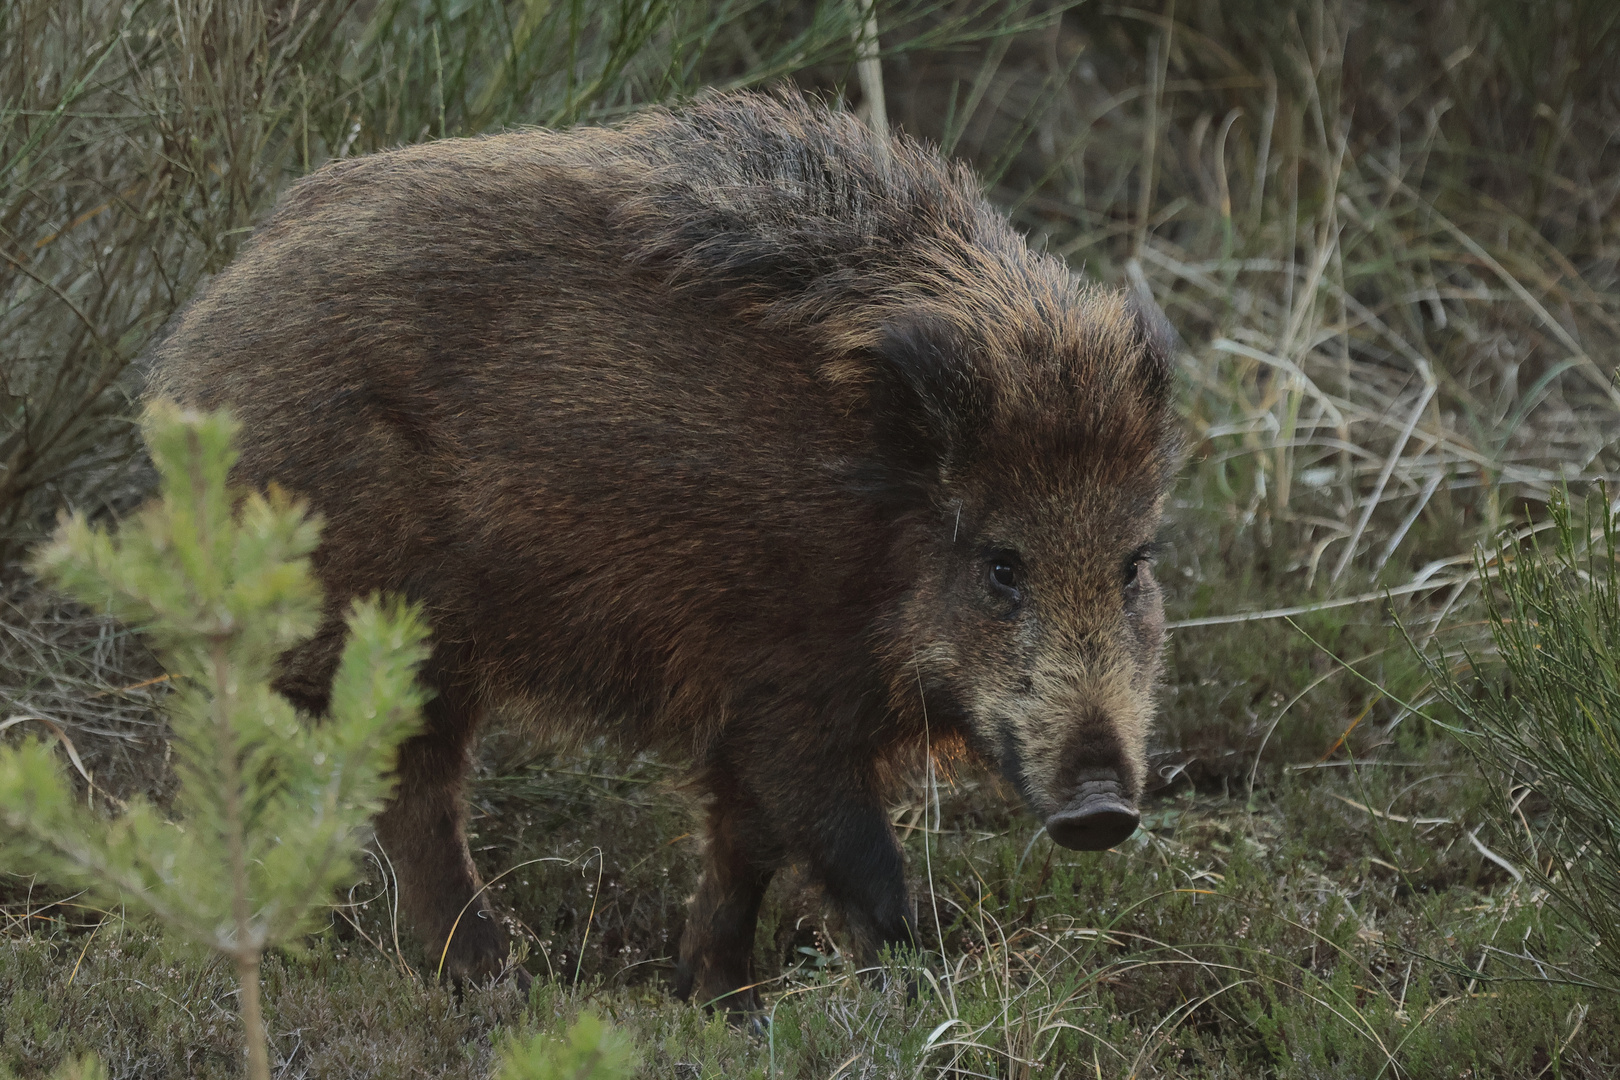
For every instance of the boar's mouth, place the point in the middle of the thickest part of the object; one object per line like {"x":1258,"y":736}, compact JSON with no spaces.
{"x":1097,"y":817}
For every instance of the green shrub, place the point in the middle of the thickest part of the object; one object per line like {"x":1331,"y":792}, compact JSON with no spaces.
{"x":590,"y":1050}
{"x":1548,"y":722}
{"x":269,"y":807}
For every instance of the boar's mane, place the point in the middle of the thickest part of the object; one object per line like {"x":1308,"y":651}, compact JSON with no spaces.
{"x":913,"y":285}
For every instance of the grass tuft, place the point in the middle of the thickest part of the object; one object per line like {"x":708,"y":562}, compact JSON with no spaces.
{"x":1542,"y":715}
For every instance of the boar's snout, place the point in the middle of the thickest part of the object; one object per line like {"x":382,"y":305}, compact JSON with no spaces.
{"x":1098,"y":816}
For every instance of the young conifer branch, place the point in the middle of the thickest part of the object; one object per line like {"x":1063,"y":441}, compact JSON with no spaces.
{"x":220,"y":582}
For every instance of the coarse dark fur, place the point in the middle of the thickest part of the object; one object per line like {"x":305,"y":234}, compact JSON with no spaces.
{"x":728,"y":431}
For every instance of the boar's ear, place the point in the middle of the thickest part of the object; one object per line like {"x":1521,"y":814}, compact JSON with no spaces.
{"x":1161,"y":343}
{"x":929,"y":407}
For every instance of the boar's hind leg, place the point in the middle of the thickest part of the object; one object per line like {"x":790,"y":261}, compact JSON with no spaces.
{"x":717,"y":946}
{"x":422,"y":832}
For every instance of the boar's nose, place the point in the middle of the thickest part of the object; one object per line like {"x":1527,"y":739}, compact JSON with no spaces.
{"x":1097,"y":817}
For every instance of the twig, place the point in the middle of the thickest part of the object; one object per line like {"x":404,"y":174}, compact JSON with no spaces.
{"x":869,"y":69}
{"x":1392,"y":817}
{"x":1325,"y":605}
{"x":1493,"y":856}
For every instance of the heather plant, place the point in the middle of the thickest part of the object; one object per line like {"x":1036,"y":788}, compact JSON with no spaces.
{"x":1545,"y":721}
{"x":267,"y":818}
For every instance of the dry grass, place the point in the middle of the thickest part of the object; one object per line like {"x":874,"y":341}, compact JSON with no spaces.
{"x":88,"y":681}
{"x":137,"y":143}
{"x":1399,"y":326}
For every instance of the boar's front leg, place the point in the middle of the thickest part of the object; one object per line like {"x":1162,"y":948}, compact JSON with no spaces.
{"x":773,"y":807}
{"x":853,"y":850}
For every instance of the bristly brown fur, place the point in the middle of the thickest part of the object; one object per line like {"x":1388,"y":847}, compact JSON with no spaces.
{"x":716,"y":431}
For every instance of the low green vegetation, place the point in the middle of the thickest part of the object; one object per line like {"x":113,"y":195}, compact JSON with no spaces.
{"x":1544,"y":720}
{"x":1386,"y":234}
{"x":266,"y":823}
{"x":590,"y":1050}
{"x":1294,"y":942}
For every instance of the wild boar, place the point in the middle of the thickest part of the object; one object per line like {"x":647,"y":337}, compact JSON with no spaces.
{"x":729,"y":431}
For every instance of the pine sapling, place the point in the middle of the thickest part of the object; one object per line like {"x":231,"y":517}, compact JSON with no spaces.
{"x":266,"y":823}
{"x":588,"y":1050}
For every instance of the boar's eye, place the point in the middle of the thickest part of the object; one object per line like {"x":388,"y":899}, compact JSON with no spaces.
{"x":1136,"y":560}
{"x":1006,"y":575}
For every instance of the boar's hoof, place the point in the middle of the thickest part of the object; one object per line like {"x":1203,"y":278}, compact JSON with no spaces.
{"x":739,"y":1004}
{"x":477,"y":954}
{"x":1098,"y":817}
{"x":486,"y":976}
